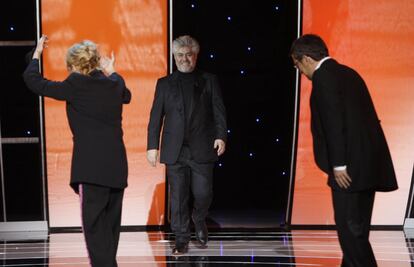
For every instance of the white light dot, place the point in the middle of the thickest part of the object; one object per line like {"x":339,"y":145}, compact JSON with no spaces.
{"x":242,"y":72}
{"x":228,"y":18}
{"x":249,"y":48}
{"x":228,"y":131}
{"x":257,"y":120}
{"x":251,"y":154}
{"x":220,"y":164}
{"x":276,"y":7}
{"x":12,"y":28}
{"x":211,"y":56}
{"x":28,"y":132}
{"x":283,"y":173}
{"x":192,"y":5}
{"x":277,"y":139}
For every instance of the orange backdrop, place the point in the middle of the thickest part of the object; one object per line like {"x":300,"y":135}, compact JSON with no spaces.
{"x":137,"y":32}
{"x":376,"y":38}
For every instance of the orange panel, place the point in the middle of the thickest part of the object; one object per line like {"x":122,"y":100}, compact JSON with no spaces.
{"x":376,"y":38}
{"x":137,"y":32}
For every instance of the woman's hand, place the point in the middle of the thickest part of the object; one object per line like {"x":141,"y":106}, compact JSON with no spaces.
{"x":107,"y":64}
{"x":41,"y":44}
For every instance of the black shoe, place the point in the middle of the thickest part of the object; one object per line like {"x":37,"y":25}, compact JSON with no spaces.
{"x":180,"y":249}
{"x":201,"y":234}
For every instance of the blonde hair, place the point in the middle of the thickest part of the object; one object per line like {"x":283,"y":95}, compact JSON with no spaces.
{"x":84,"y":56}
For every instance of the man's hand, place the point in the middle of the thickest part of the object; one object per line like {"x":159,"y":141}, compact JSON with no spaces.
{"x":41,"y":44}
{"x":220,"y":145}
{"x":152,"y":157}
{"x":342,"y":178}
{"x":107,"y":64}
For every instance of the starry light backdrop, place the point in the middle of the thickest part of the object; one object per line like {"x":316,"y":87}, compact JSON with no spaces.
{"x":246,"y":43}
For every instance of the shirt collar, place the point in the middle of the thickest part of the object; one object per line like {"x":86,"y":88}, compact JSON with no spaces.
{"x":321,"y":61}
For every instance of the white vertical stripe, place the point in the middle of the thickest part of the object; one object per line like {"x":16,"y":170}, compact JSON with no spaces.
{"x":410,"y":203}
{"x":42,"y":135}
{"x":171,"y":37}
{"x":3,"y":191}
{"x":80,"y":188}
{"x":295,"y":121}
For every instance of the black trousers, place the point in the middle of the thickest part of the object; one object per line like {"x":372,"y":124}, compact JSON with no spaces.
{"x":101,"y":209}
{"x":353,"y":220}
{"x":183,"y":176}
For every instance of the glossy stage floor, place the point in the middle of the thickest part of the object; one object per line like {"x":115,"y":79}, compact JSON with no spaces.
{"x":294,"y":248}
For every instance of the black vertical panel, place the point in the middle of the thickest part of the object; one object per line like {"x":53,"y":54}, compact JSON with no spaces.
{"x":19,"y":112}
{"x":18,"y":20}
{"x":23,"y":182}
{"x":246,"y":43}
{"x":19,"y":107}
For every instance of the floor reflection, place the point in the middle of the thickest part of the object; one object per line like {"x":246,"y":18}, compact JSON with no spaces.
{"x":296,"y":248}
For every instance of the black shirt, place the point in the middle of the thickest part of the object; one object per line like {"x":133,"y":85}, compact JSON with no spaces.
{"x":187,"y":83}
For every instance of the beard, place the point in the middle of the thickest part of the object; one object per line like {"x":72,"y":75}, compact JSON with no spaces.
{"x":186,"y":68}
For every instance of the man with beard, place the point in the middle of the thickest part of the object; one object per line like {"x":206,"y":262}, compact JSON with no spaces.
{"x":189,"y":109}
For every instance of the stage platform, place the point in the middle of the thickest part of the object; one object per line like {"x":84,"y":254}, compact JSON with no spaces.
{"x":294,"y":248}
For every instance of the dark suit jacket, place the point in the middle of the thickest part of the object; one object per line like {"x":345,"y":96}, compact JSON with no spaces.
{"x":94,"y":109}
{"x":347,"y":131}
{"x":207,"y":120}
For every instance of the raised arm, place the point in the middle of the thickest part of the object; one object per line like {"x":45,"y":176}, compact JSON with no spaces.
{"x":107,"y":65}
{"x":41,"y":86}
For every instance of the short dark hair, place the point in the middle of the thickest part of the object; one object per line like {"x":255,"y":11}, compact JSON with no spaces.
{"x":310,"y":45}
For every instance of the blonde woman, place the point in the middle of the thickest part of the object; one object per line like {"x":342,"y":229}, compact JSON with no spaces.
{"x":94,"y":95}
